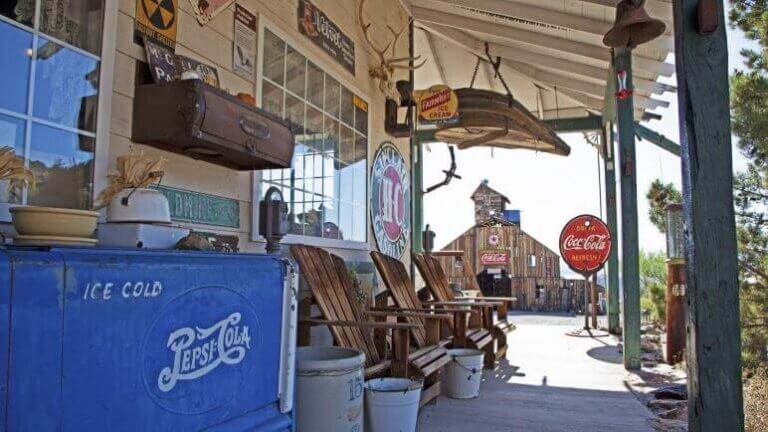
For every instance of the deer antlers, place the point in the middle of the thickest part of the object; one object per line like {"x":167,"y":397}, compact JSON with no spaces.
{"x":385,"y":70}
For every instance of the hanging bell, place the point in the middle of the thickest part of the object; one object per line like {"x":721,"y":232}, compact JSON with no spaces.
{"x":633,"y":26}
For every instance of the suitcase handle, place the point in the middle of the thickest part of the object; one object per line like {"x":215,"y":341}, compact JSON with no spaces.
{"x":254,"y":128}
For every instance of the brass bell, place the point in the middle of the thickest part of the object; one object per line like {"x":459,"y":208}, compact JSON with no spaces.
{"x":633,"y":26}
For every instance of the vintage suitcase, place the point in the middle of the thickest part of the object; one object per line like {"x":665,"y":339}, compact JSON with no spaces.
{"x":110,"y":340}
{"x":203,"y":122}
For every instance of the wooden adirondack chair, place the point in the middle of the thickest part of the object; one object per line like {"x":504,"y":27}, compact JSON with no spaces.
{"x":438,"y":284}
{"x":329,"y":281}
{"x":402,"y":291}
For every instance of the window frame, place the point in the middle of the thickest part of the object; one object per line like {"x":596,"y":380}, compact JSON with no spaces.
{"x":256,"y":177}
{"x":104,"y":109}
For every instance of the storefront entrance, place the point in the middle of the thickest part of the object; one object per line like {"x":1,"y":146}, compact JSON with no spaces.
{"x":495,"y":282}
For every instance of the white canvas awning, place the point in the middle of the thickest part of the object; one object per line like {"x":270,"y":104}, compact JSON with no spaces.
{"x":552,"y":53}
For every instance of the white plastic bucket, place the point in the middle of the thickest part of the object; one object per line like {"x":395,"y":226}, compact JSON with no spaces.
{"x":464,"y":373}
{"x":329,"y":389}
{"x":392,"y":404}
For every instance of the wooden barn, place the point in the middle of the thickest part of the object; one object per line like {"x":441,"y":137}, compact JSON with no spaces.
{"x":507,"y":261}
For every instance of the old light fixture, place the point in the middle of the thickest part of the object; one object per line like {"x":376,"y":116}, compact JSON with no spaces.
{"x":633,"y":26}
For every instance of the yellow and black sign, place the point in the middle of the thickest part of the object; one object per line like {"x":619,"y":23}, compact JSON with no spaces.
{"x":157,"y":20}
{"x":437,"y":105}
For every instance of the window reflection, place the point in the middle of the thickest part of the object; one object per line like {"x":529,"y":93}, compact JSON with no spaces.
{"x":76,"y":22}
{"x":63,"y":165}
{"x":11,"y":135}
{"x":15,"y":49}
{"x":22,"y":11}
{"x":330,"y":160}
{"x":66,"y":86}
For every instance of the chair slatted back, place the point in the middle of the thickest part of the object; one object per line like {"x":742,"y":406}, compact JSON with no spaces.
{"x":434,"y":276}
{"x":330,"y":284}
{"x":397,"y":280}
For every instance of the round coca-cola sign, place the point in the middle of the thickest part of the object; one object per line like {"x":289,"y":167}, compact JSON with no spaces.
{"x":585,"y":244}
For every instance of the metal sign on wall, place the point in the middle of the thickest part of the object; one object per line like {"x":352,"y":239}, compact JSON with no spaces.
{"x":437,"y":105}
{"x":390,"y":200}
{"x":157,"y":20}
{"x":323,"y":32}
{"x":195,"y":207}
{"x":494,"y":257}
{"x":585,"y":244}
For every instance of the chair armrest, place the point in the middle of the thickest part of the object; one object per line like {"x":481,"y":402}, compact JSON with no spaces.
{"x":366,"y":324}
{"x":462,"y":303}
{"x":503,"y":299}
{"x":422,"y":310}
{"x":418,"y":313}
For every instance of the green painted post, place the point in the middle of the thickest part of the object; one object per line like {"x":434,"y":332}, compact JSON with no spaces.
{"x":418,"y":195}
{"x":612,"y":270}
{"x":630,"y":260}
{"x":712,"y":323}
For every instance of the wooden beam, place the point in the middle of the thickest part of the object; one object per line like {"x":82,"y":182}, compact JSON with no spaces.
{"x":612,"y":269}
{"x":533,"y":38}
{"x":714,"y":339}
{"x":656,"y":138}
{"x":435,"y":57}
{"x":630,"y":257}
{"x":557,"y":63}
{"x":528,"y":12}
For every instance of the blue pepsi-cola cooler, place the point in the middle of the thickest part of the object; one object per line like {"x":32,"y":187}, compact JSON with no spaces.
{"x":116,"y":340}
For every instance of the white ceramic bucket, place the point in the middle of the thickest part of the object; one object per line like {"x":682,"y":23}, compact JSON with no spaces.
{"x":329,"y":389}
{"x":392,"y":404}
{"x":464,"y":373}
{"x":139,"y":205}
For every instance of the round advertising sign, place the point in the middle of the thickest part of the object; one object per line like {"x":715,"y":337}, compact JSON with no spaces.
{"x":585,"y":244}
{"x":390,"y":200}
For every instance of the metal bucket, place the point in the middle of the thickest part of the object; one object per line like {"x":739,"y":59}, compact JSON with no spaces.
{"x":392,"y":404}
{"x":464,"y":373}
{"x":329,"y":389}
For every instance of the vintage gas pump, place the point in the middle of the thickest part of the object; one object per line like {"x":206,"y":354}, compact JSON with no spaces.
{"x":675,"y":300}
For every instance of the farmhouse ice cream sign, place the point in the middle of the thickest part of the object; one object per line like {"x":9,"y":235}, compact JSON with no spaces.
{"x":390,"y":200}
{"x":585,"y":244}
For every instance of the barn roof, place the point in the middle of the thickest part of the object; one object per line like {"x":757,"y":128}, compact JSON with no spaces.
{"x":483,"y":186}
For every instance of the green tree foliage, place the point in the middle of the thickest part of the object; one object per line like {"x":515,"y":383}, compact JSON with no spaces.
{"x":659,"y":195}
{"x":749,"y":113}
{"x":653,"y":284}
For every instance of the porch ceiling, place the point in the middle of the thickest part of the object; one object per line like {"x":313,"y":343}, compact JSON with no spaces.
{"x":552,"y":53}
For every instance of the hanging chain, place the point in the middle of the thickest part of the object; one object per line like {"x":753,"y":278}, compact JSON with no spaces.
{"x":497,"y":72}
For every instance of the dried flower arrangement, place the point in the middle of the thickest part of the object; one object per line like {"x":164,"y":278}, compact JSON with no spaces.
{"x":13,"y":170}
{"x":134,"y":170}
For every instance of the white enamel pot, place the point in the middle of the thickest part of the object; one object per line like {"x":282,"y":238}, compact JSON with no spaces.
{"x":139,"y":205}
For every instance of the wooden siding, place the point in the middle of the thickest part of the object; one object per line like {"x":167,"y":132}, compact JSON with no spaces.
{"x":525,"y":278}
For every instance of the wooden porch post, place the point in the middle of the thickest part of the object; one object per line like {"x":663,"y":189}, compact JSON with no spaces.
{"x":612,"y":270}
{"x":714,"y":340}
{"x":630,"y":262}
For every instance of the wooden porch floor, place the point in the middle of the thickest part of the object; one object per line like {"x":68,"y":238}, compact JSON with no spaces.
{"x":550,"y":383}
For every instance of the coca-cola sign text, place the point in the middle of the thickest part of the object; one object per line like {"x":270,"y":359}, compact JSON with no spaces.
{"x":494,"y":257}
{"x":585,"y":244}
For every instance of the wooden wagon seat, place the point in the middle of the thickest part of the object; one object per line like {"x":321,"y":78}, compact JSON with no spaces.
{"x":398,"y":282}
{"x":329,"y":281}
{"x":438,"y":284}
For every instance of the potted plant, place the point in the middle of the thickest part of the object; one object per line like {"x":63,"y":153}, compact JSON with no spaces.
{"x":128,"y":197}
{"x":13,"y":174}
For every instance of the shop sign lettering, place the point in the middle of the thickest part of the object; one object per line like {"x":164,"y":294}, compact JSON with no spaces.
{"x":585,"y":244}
{"x":188,"y":206}
{"x":494,"y":257}
{"x":390,"y":201}
{"x":324,"y":33}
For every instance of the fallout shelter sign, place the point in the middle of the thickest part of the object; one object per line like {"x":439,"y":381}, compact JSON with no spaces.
{"x":390,"y":201}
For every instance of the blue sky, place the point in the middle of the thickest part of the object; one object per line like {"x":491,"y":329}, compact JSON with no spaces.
{"x":551,"y":189}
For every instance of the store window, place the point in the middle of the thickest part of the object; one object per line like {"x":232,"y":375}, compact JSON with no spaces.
{"x":49,"y":64}
{"x":326,"y":186}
